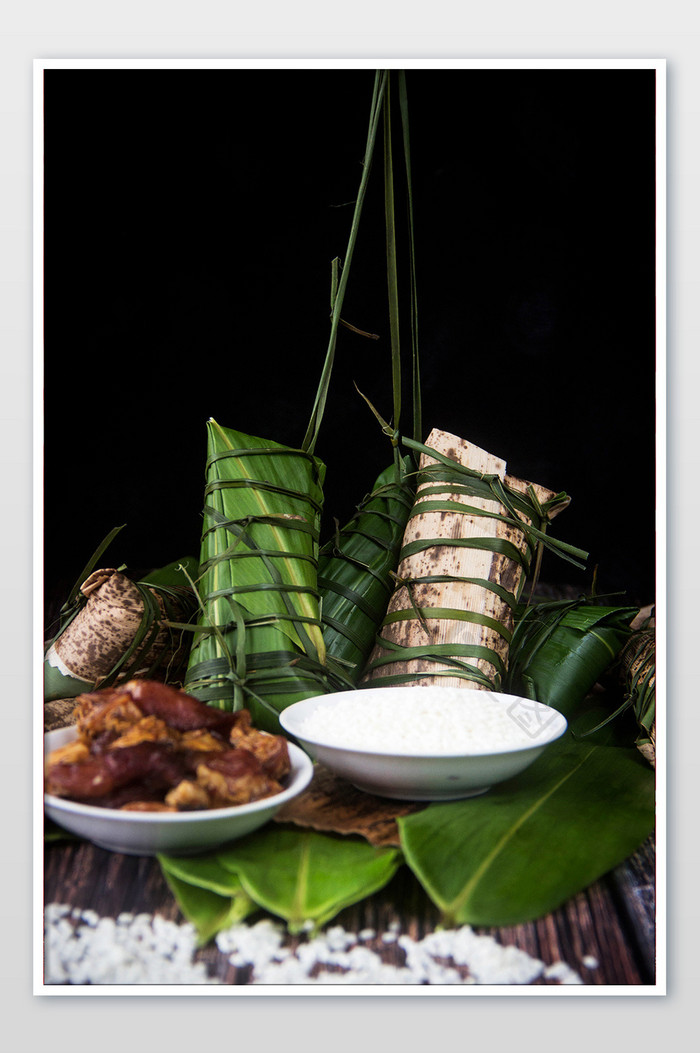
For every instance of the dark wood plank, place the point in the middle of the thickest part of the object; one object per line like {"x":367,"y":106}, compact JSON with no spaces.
{"x":634,"y":887}
{"x":591,"y":925}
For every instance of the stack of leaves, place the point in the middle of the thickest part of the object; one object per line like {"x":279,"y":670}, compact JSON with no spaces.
{"x":302,"y":876}
{"x":356,"y":569}
{"x":259,"y":641}
{"x":507,"y":857}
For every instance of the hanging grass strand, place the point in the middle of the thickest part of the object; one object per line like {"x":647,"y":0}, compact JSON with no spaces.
{"x":340,"y":284}
{"x":391,"y":264}
{"x":417,"y":398}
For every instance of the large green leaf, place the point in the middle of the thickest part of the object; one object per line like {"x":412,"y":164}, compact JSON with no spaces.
{"x":356,"y":568}
{"x":637,"y":662}
{"x":528,"y":845}
{"x":560,"y":649}
{"x":210,"y":897}
{"x":204,"y":871}
{"x":308,"y":877}
{"x":172,"y":576}
{"x":260,"y":642}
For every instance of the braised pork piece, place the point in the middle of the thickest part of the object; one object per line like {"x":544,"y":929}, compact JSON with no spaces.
{"x":145,"y":746}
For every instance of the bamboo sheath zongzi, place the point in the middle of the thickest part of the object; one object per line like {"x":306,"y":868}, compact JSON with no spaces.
{"x":638,"y":666}
{"x":259,"y":642}
{"x":121,"y":630}
{"x":466,"y":553}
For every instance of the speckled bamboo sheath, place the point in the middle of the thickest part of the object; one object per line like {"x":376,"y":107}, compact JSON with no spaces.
{"x":638,"y":669}
{"x":102,"y":632}
{"x":461,"y":572}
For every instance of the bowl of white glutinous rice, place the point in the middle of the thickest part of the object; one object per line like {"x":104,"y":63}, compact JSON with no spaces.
{"x":423,"y":743}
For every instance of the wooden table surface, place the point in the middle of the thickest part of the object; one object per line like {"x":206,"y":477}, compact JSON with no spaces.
{"x":610,"y":925}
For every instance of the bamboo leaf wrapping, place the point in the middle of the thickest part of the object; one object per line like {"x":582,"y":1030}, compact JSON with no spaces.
{"x":637,"y":674}
{"x":260,"y":642}
{"x":356,"y":570}
{"x":638,"y":661}
{"x":560,"y":649}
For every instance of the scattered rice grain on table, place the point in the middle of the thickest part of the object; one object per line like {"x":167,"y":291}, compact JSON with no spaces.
{"x":82,"y":948}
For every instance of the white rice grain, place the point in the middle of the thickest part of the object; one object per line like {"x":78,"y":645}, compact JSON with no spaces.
{"x":428,"y":722}
{"x":338,"y":957}
{"x":144,"y":949}
{"x":562,"y":973}
{"x":82,"y":948}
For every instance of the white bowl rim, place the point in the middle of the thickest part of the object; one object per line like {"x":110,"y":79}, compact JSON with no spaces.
{"x":288,"y":722}
{"x":299,"y":778}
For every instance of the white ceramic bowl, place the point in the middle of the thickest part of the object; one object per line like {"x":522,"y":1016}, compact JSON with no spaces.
{"x":424,"y":773}
{"x":176,"y":833}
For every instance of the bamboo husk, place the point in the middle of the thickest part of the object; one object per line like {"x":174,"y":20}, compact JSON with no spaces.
{"x":100,"y":635}
{"x":60,"y":713}
{"x":638,"y":673}
{"x":468,"y":567}
{"x":333,"y":805}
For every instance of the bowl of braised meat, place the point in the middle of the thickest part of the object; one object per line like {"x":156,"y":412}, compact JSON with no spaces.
{"x":147,"y":768}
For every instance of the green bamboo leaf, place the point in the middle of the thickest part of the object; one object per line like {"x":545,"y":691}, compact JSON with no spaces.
{"x":204,"y":871}
{"x":417,"y":399}
{"x":59,"y":685}
{"x":74,"y":601}
{"x":54,"y":832}
{"x":356,"y":567}
{"x":462,"y":479}
{"x":559,"y":650}
{"x":174,"y":575}
{"x":258,"y":577}
{"x":209,"y":912}
{"x":391,"y":262}
{"x":307,"y":877}
{"x":528,"y":845}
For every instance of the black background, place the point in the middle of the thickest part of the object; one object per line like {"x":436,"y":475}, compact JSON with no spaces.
{"x":191,"y":217}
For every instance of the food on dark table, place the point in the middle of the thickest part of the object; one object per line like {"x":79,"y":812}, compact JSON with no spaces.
{"x":145,"y":746}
